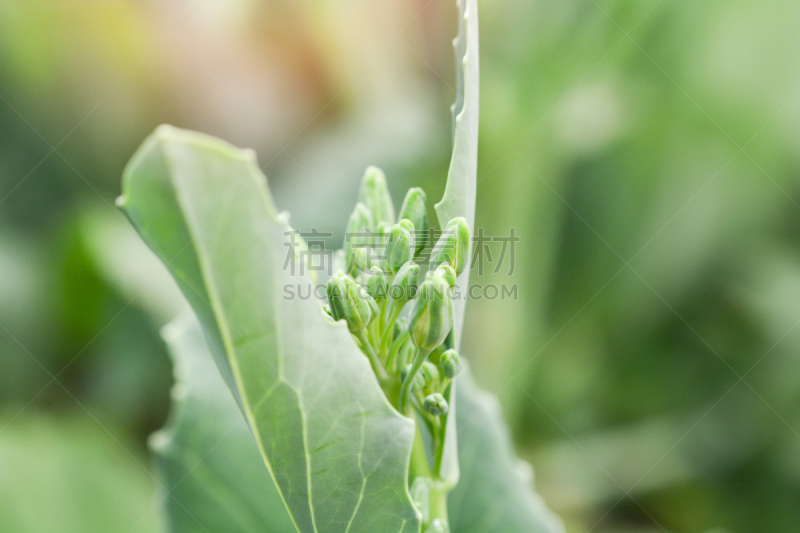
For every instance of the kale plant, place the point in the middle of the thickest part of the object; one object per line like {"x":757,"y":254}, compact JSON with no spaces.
{"x":356,"y":416}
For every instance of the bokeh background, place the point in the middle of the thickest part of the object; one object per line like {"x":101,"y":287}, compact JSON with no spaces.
{"x":646,"y":152}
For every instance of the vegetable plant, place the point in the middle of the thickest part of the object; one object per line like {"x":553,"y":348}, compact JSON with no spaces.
{"x":358,"y":415}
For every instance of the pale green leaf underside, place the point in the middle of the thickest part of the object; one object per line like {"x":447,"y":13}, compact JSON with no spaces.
{"x":462,"y":177}
{"x":206,"y":456}
{"x":495,"y":491}
{"x":496,"y":488}
{"x":459,"y":194}
{"x":337,"y":450}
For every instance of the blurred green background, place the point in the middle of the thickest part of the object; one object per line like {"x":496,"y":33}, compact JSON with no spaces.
{"x":646,"y":152}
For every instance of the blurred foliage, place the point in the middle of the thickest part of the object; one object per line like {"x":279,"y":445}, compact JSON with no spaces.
{"x":646,"y":152}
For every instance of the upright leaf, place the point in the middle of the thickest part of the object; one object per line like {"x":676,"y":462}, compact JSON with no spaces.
{"x":462,"y":177}
{"x":495,"y":492}
{"x":459,"y":193}
{"x":207,"y":457}
{"x":338,"y":452}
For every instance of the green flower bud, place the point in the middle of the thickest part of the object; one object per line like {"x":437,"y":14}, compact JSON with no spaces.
{"x":398,"y":247}
{"x":377,"y":283}
{"x":431,"y":316}
{"x":409,"y":227}
{"x":415,"y":209}
{"x":437,"y":526}
{"x":349,"y":301}
{"x":356,"y":236}
{"x":453,"y":246}
{"x":447,"y":273}
{"x":327,"y":309}
{"x":404,"y":285}
{"x":360,"y":261}
{"x":429,"y":373}
{"x":375,"y":195}
{"x":450,"y":363}
{"x":435,"y":404}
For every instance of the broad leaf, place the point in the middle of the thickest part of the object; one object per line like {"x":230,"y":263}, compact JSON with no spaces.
{"x":208,"y":459}
{"x":337,"y":450}
{"x":496,"y":488}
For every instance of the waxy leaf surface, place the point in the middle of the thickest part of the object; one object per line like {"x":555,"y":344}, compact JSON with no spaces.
{"x":207,"y":457}
{"x":337,"y":450}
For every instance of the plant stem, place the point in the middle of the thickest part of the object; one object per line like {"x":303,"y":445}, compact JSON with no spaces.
{"x":396,"y":345}
{"x":419,"y":359}
{"x":372,"y":356}
{"x":439,"y":501}
{"x":389,"y":325}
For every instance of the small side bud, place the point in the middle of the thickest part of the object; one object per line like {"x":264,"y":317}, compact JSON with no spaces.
{"x":327,"y":309}
{"x":453,"y":246}
{"x":429,"y":373}
{"x":447,"y":273}
{"x":374,"y":193}
{"x":435,"y":404}
{"x":360,"y":261}
{"x":404,"y":285}
{"x":348,"y":301}
{"x":415,"y":209}
{"x":437,"y":526}
{"x":431,"y":316}
{"x":356,"y":234}
{"x":398,"y":247}
{"x":377,"y":284}
{"x":450,"y":364}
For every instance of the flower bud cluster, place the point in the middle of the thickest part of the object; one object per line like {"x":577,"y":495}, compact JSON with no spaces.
{"x":408,"y":353}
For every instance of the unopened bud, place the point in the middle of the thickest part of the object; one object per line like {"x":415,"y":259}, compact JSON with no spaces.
{"x":450,"y":363}
{"x":415,"y":209}
{"x":377,"y":284}
{"x":431,"y":316}
{"x":357,"y":233}
{"x":447,"y":273}
{"x":360,"y":260}
{"x":453,"y":246}
{"x":435,"y":404}
{"x":398,"y":247}
{"x":348,"y":301}
{"x":429,"y":373}
{"x":437,"y":526}
{"x":375,"y":195}
{"x":404,"y":285}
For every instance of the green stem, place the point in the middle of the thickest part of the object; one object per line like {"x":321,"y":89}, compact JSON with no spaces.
{"x":439,"y":501}
{"x":389,"y":325}
{"x":419,"y":359}
{"x":396,"y":345}
{"x":372,"y":356}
